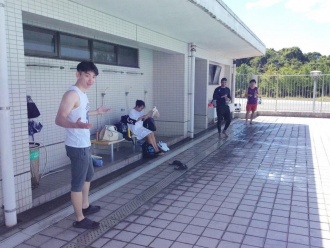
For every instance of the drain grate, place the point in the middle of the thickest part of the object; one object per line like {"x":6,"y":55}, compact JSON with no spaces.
{"x":113,"y":219}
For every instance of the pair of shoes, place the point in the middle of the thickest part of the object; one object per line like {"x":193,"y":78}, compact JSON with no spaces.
{"x":91,"y":210}
{"x":86,"y":224}
{"x":225,"y":133}
{"x":163,"y":146}
{"x":179,"y":165}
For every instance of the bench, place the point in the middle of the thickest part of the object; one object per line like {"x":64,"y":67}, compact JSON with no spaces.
{"x":106,"y":143}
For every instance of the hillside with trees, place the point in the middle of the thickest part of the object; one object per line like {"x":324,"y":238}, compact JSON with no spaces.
{"x":285,"y":74}
{"x":287,"y":61}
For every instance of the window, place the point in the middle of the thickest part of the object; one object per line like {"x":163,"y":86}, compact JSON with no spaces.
{"x":214,"y":74}
{"x":127,"y":56}
{"x":74,"y":47}
{"x":104,"y":53}
{"x":39,"y":41}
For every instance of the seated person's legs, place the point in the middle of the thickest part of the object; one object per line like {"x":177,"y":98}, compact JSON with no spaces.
{"x":151,"y":139}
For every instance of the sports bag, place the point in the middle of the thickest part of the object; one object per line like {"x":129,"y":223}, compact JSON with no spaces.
{"x":148,"y":151}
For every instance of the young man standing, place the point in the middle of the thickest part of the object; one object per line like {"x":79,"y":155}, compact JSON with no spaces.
{"x":222,"y":97}
{"x":252,"y":100}
{"x":73,"y":114}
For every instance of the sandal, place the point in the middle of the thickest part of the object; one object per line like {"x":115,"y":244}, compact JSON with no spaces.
{"x":176,"y":162}
{"x":160,"y":153}
{"x":91,"y":210}
{"x":86,"y":224}
{"x":181,"y":166}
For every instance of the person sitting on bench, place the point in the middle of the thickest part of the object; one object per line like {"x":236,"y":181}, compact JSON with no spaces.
{"x":135,"y":124}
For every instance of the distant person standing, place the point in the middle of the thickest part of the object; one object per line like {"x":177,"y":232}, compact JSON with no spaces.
{"x":252,"y":100}
{"x":222,"y":97}
{"x":73,"y":114}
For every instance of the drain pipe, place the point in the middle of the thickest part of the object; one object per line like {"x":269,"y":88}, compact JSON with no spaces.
{"x":6,"y":155}
{"x":192,"y":51}
{"x":234,"y":82}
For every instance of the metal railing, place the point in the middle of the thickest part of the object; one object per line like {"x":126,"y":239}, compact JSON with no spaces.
{"x":287,"y":92}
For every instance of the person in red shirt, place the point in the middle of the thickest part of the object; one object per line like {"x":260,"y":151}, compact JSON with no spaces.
{"x":252,"y":100}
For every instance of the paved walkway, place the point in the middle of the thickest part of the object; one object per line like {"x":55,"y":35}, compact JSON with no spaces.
{"x":267,"y":185}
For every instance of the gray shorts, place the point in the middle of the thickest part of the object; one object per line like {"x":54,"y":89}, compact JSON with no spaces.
{"x":82,"y":169}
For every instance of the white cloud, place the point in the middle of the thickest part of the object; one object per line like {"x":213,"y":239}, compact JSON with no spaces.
{"x":301,"y":6}
{"x":262,"y":3}
{"x":316,"y":10}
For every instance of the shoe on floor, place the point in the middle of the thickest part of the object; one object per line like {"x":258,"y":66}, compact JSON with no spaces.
{"x":163,"y":146}
{"x":91,"y":210}
{"x":86,"y":224}
{"x":181,"y":167}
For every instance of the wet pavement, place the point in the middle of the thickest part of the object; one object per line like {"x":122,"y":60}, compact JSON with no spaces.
{"x":266,"y":185}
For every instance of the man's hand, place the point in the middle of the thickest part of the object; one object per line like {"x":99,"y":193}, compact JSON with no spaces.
{"x":102,"y":110}
{"x":83,"y":125}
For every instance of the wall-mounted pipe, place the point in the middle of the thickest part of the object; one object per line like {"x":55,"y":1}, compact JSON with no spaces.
{"x":114,"y":71}
{"x":192,"y":51}
{"x":6,"y":162}
{"x":134,"y":73}
{"x":48,"y":66}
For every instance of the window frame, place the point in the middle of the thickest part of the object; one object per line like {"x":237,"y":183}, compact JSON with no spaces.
{"x":36,"y":53}
{"x":57,"y":53}
{"x":136,"y":62}
{"x":60,"y":56}
{"x":107,"y":43}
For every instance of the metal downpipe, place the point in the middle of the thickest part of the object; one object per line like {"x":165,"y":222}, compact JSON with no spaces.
{"x":6,"y":155}
{"x":192,"y":51}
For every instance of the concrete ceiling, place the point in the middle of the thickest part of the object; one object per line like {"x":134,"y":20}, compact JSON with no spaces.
{"x":185,"y":21}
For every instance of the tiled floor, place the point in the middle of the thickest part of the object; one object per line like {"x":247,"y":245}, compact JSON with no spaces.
{"x":57,"y":183}
{"x":267,"y":185}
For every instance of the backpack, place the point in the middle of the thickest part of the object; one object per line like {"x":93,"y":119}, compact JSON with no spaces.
{"x":148,"y":150}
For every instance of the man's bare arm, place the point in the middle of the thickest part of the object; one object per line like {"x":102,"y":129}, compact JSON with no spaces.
{"x":69,"y":101}
{"x":100,"y":110}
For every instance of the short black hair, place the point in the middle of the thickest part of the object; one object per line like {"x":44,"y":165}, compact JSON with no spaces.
{"x":86,"y":66}
{"x":139,"y":103}
{"x":223,"y":79}
{"x":253,"y":81}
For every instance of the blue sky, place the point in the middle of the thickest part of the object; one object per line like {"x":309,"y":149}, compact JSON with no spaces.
{"x":287,"y":23}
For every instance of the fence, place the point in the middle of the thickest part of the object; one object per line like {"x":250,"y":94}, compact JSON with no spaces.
{"x":287,"y":92}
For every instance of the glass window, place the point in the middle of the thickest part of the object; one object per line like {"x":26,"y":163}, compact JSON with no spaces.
{"x":104,"y":53}
{"x":74,"y":47}
{"x":214,"y":74}
{"x":39,"y":42}
{"x":48,"y":43}
{"x":128,"y":56}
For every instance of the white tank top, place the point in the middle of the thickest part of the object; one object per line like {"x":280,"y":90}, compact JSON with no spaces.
{"x":77,"y":137}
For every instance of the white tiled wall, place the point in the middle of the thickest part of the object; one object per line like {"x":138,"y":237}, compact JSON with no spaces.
{"x":164,"y":80}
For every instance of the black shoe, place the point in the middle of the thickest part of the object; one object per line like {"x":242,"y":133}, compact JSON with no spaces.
{"x":91,"y":210}
{"x":86,"y":224}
